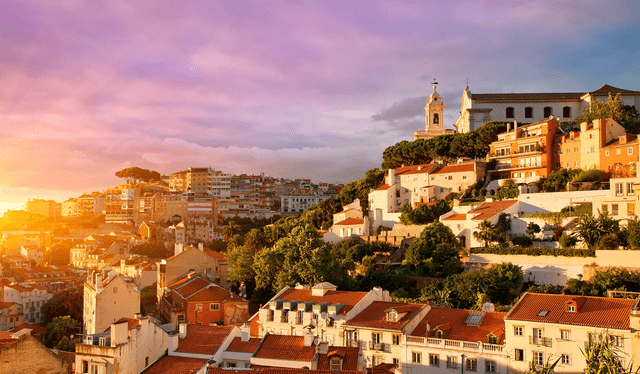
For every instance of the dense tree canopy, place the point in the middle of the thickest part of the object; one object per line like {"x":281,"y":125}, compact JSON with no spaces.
{"x":136,"y":175}
{"x":59,"y":331}
{"x":625,"y":115}
{"x":153,"y":248}
{"x":68,"y":302}
{"x":424,"y":214}
{"x":436,"y":252}
{"x":58,"y":253}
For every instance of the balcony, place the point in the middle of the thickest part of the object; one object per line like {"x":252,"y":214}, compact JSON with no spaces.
{"x":543,"y":342}
{"x":457,"y":345}
{"x":520,"y":152}
{"x":528,"y":165}
{"x":381,"y":347}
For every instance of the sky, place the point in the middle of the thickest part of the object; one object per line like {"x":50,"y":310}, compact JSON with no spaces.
{"x":297,"y":89}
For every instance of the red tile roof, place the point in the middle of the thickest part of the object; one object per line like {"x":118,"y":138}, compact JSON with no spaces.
{"x":453,"y":321}
{"x":600,"y":312}
{"x":6,"y":339}
{"x":384,"y":187}
{"x":35,"y":329}
{"x":237,"y":345}
{"x":488,"y":210}
{"x":415,"y":169}
{"x":176,"y":365}
{"x":631,"y":140}
{"x":6,"y":304}
{"x":132,"y":322}
{"x":375,"y":315}
{"x":457,"y":168}
{"x":456,"y":217}
{"x":350,"y":221}
{"x":190,"y":287}
{"x":255,"y":369}
{"x":285,"y":347}
{"x":211,"y":293}
{"x":349,"y":357}
{"x":348,"y":298}
{"x":203,"y":339}
{"x":217,"y":255}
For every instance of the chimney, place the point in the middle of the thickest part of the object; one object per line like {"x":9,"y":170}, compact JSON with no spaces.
{"x":515,"y":125}
{"x":308,"y":338}
{"x":508,"y":126}
{"x":244,"y":333}
{"x":392,"y":177}
{"x":182,"y":331}
{"x":322,"y":348}
{"x":119,"y":333}
{"x":201,"y":246}
{"x":98,"y":280}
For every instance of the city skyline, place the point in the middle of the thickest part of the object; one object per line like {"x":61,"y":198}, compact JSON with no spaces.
{"x":306,"y":90}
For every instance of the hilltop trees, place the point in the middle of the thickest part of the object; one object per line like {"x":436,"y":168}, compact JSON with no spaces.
{"x":436,"y":252}
{"x":135,"y":175}
{"x":626,"y":115}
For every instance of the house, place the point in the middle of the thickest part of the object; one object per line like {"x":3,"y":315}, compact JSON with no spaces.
{"x":619,"y":157}
{"x":31,"y":296}
{"x":448,"y":339}
{"x":21,"y":353}
{"x":380,"y":329}
{"x":349,"y":222}
{"x":198,"y":301}
{"x":128,"y":346}
{"x":464,"y":221}
{"x":478,"y":109}
{"x":11,"y":315}
{"x":108,"y":298}
{"x":621,"y":202}
{"x":540,"y":327}
{"x":323,"y":307}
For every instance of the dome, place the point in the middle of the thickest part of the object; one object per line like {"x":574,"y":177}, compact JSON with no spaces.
{"x":434,"y":95}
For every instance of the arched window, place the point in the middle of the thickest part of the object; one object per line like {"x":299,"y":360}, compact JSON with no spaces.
{"x":436,"y":119}
{"x":528,"y":112}
{"x":510,"y":112}
{"x":566,"y":112}
{"x":548,"y":112}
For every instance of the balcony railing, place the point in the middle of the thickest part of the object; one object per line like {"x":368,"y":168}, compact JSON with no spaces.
{"x":382,"y":347}
{"x":545,"y":342}
{"x":455,"y":344}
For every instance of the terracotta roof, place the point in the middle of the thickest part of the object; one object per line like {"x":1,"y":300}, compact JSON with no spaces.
{"x":349,"y":357}
{"x":237,"y":345}
{"x":35,"y":329}
{"x":217,"y":255}
{"x":600,"y":312}
{"x":6,"y":304}
{"x":344,"y":211}
{"x":415,"y":169}
{"x":384,"y":187}
{"x":350,"y":221}
{"x":616,"y":142}
{"x":203,"y":339}
{"x":606,"y":89}
{"x":211,"y":293}
{"x":348,"y":298}
{"x":285,"y":347}
{"x":382,"y":368}
{"x":6,"y":339}
{"x":488,"y":210}
{"x":26,"y":287}
{"x":176,"y":365}
{"x":191,"y":286}
{"x":457,"y":168}
{"x":375,"y":315}
{"x":274,"y":370}
{"x":453,"y":321}
{"x":132,"y":322}
{"x":456,"y":217}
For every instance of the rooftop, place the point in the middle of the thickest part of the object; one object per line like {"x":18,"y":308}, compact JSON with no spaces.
{"x":456,"y":168}
{"x":453,"y":324}
{"x":349,"y":357}
{"x":375,"y":315}
{"x":203,"y":339}
{"x":350,"y":221}
{"x":490,"y":209}
{"x":237,"y":345}
{"x":415,"y":169}
{"x":285,"y":347}
{"x":348,"y":298}
{"x":176,"y":365}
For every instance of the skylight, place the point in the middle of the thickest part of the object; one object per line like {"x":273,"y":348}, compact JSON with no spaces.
{"x":543,"y":313}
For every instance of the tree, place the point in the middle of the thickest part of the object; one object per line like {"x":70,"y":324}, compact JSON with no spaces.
{"x":241,"y":261}
{"x":60,"y":328}
{"x":567,"y":240}
{"x":58,"y":253}
{"x":557,"y":180}
{"x":509,"y":190}
{"x":152,"y":248}
{"x":505,"y":280}
{"x":148,"y":300}
{"x":255,"y":239}
{"x":68,"y":302}
{"x":592,"y":229}
{"x":532,"y":229}
{"x":633,"y":230}
{"x":603,"y":357}
{"x":230,"y":230}
{"x":485,"y":232}
{"x":436,"y":252}
{"x":134,"y":175}
{"x":424,"y":214}
{"x":625,"y":115}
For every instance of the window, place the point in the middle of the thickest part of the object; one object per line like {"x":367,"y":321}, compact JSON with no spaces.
{"x":300,"y":317}
{"x":630,"y":150}
{"x":434,"y":360}
{"x":614,"y":209}
{"x":616,"y":340}
{"x":85,"y":366}
{"x":270,"y":314}
{"x":566,"y":112}
{"x":416,"y":357}
{"x":619,"y":191}
{"x":284,"y":317}
{"x":528,"y":112}
{"x":472,"y":364}
{"x":198,"y":307}
{"x":436,"y":118}
{"x":571,"y":308}
{"x":396,"y":362}
{"x":519,"y":354}
{"x":395,"y":339}
{"x":629,"y":188}
{"x":336,"y":363}
{"x":510,"y":113}
{"x":565,"y":359}
{"x":452,"y":362}
{"x":548,"y":112}
{"x":606,"y":153}
{"x":214,"y":306}
{"x":115,"y":290}
{"x":568,"y":150}
{"x":565,"y":335}
{"x":146,"y":361}
{"x":489,"y":366}
{"x":538,"y":358}
{"x":375,"y":337}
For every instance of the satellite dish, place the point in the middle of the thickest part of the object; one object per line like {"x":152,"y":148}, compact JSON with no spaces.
{"x":316,"y":341}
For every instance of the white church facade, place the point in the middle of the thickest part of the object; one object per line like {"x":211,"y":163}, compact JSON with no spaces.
{"x":434,"y":118}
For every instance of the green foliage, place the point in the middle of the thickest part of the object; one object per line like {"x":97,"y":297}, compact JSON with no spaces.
{"x":424,"y":214}
{"x":625,"y":115}
{"x":557,"y":180}
{"x":603,"y":357}
{"x":545,"y":288}
{"x":567,"y":240}
{"x":388,"y":279}
{"x":532,"y":229}
{"x":148,"y":300}
{"x":217,"y":245}
{"x":436,"y":252}
{"x":536,"y":251}
{"x":488,"y":233}
{"x":633,"y":233}
{"x":58,"y":253}
{"x":619,"y":279}
{"x":67,"y":302}
{"x":135,"y":175}
{"x":152,"y":248}
{"x":594,"y":175}
{"x":241,"y":261}
{"x":509,"y":190}
{"x":60,"y":328}
{"x":473,"y":144}
{"x":609,"y":241}
{"x":522,"y":241}
{"x":592,"y":229}
{"x":566,"y":212}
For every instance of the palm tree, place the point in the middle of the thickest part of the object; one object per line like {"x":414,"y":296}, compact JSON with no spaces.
{"x":230,"y":231}
{"x":547,"y":368}
{"x":485,"y":232}
{"x":603,"y":357}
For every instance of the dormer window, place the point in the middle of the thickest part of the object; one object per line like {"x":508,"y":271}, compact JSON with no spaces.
{"x":571,"y":308}
{"x":392,"y":317}
{"x":336,"y":363}
{"x":437,"y":334}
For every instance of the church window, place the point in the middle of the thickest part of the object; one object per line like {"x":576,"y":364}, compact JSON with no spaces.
{"x":566,"y":112}
{"x":548,"y":111}
{"x":436,"y":118}
{"x":510,"y":113}
{"x":528,"y":112}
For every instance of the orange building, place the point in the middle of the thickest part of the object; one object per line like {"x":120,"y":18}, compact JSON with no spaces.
{"x":568,"y":150}
{"x":620,"y":156}
{"x":524,"y":152}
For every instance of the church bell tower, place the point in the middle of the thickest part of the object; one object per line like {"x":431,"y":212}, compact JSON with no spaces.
{"x":434,"y":111}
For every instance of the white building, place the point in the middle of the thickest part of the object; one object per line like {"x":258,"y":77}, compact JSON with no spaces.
{"x":107,"y":300}
{"x":30,"y":296}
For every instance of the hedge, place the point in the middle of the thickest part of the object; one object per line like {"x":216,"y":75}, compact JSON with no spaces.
{"x":536,"y":251}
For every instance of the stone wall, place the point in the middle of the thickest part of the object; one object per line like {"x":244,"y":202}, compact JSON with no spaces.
{"x":29,"y":356}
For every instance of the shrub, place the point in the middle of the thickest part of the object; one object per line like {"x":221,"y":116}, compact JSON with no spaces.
{"x":588,"y":176}
{"x":567,"y":240}
{"x":522,"y":240}
{"x":609,"y":241}
{"x":536,"y":251}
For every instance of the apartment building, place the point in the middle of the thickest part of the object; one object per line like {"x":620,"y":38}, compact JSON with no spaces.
{"x":70,"y":208}
{"x":121,"y":204}
{"x":92,"y":203}
{"x":619,"y":157}
{"x":47,"y":208}
{"x":31,"y":296}
{"x":542,"y":327}
{"x":107,"y":298}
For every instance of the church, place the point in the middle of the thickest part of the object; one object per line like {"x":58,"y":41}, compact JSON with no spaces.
{"x":478,"y":109}
{"x":434,"y":114}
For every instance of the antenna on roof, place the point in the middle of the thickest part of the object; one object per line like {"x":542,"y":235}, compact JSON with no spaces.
{"x":434,"y":81}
